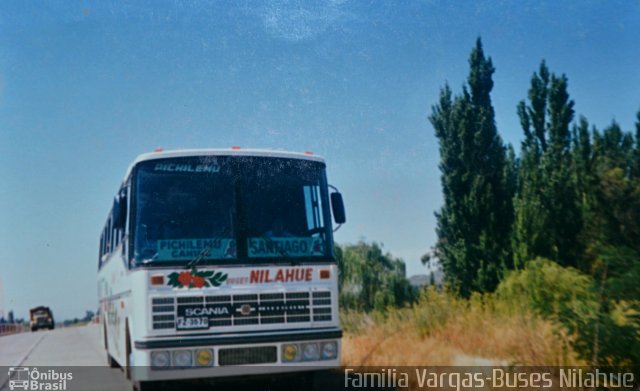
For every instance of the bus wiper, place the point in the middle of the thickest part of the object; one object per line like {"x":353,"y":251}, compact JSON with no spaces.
{"x":206,"y":250}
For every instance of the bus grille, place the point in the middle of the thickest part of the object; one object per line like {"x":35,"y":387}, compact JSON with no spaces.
{"x":245,"y":309}
{"x":246,"y":356}
{"x":163,"y":311}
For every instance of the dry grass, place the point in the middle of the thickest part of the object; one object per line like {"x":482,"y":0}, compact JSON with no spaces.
{"x":444,"y":330}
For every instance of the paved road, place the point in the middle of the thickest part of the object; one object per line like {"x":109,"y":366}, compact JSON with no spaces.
{"x":66,"y":347}
{"x":78,"y":349}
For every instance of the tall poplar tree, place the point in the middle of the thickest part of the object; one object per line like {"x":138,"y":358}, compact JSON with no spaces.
{"x":474,"y":224}
{"x":548,"y":221}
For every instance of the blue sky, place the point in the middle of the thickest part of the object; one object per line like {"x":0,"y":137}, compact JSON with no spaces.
{"x":86,"y":86}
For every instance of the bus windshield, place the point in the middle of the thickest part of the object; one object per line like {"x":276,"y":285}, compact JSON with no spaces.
{"x":223,"y":209}
{"x":184,"y":207}
{"x":285,"y":203}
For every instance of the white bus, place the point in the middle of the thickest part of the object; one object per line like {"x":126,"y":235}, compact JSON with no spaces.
{"x":220,"y":263}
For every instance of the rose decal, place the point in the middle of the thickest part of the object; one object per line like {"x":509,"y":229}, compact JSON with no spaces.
{"x":184,"y":278}
{"x":196,"y":279}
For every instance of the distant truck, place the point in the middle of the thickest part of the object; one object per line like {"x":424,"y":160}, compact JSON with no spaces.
{"x":41,"y":317}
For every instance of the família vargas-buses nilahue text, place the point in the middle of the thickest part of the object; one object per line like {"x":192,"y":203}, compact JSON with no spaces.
{"x":461,"y":378}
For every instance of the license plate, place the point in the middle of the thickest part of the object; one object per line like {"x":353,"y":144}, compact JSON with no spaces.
{"x":192,"y":323}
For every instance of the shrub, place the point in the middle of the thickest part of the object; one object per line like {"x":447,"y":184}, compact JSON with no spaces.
{"x":553,"y":291}
{"x":604,"y":334}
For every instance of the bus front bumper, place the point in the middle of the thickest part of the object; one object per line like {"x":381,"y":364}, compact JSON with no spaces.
{"x":182,"y":358}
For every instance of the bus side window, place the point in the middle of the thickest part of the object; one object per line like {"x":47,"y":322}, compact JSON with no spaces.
{"x":127,"y":222}
{"x":100,"y":251}
{"x":125,"y":230}
{"x":109,"y":237}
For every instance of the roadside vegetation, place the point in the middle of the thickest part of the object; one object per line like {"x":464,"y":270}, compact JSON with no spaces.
{"x":540,"y":248}
{"x":545,"y":314}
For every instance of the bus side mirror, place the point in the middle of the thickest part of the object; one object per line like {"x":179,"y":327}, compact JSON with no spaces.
{"x":337,"y":206}
{"x":120,"y":211}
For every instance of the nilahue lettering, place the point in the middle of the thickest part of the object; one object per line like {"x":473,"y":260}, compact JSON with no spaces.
{"x":281,"y":275}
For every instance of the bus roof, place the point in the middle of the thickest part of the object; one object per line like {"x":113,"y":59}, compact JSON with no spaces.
{"x":161,"y":154}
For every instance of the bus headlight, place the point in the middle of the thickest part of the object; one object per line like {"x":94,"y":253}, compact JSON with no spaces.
{"x":160,"y":359}
{"x":204,"y":357}
{"x":329,"y":350}
{"x":310,"y":352}
{"x":182,"y":358}
{"x":289,"y":353}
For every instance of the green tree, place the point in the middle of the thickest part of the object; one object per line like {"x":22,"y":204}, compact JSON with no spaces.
{"x":371,"y":279}
{"x":88,"y":316}
{"x":614,"y":148}
{"x":474,"y":224}
{"x":612,"y":189}
{"x":586,"y":181}
{"x":548,"y":221}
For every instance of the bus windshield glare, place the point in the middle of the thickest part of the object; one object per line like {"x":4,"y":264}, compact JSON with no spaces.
{"x":223,"y":209}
